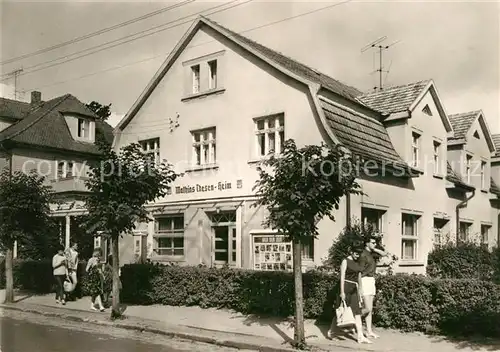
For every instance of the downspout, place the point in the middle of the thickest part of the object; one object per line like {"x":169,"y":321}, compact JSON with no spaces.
{"x":348,"y":209}
{"x":457,"y":213}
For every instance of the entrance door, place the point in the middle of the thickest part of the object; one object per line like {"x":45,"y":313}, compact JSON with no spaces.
{"x":224,"y":240}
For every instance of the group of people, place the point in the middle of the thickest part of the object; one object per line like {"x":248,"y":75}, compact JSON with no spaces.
{"x":99,"y":276}
{"x":357,"y":287}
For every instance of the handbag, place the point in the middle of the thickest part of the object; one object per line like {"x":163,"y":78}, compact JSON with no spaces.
{"x":345,"y":316}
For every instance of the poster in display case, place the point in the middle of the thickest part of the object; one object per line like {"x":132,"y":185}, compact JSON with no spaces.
{"x":272,"y":252}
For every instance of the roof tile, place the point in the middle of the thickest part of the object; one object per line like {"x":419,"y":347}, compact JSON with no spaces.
{"x":461,"y":123}
{"x":294,"y":66}
{"x":41,"y":126}
{"x":13,"y":109}
{"x":393,"y":99}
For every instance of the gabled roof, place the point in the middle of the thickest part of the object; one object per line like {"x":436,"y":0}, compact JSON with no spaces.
{"x":496,"y":141}
{"x":463,"y":122}
{"x":455,"y":178}
{"x":394,"y":99}
{"x":13,"y":109}
{"x":402,"y":100}
{"x":281,"y":62}
{"x":46,"y":127}
{"x":339,"y":121}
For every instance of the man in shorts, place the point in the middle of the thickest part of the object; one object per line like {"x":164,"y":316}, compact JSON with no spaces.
{"x":368,"y":288}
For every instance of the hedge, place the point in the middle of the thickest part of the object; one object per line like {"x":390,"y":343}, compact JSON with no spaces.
{"x":464,"y":261}
{"x":404,"y":302}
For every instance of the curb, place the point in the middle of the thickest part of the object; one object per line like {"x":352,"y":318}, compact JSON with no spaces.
{"x":171,"y":334}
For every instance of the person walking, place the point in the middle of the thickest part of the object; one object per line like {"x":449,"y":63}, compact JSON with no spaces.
{"x":95,"y":280}
{"x":59,"y":266}
{"x":368,"y":287}
{"x":72,"y":256}
{"x":350,"y":294}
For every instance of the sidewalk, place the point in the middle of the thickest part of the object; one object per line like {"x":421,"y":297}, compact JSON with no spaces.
{"x":236,"y":330}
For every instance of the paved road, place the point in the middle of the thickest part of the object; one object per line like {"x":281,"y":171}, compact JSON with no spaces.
{"x":25,"y":332}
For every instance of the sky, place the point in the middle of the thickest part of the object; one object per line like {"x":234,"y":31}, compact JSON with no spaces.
{"x":457,"y":44}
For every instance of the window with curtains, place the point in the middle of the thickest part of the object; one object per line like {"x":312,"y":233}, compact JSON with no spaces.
{"x":204,"y":147}
{"x":270,"y":135}
{"x":409,"y":236}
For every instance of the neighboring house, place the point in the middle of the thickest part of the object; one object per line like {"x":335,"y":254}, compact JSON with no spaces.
{"x":56,"y":138}
{"x":215,"y":110}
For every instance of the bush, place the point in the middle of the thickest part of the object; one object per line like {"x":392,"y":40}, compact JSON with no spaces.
{"x":461,"y":261}
{"x":405,"y":302}
{"x":356,"y":232}
{"x":36,"y":276}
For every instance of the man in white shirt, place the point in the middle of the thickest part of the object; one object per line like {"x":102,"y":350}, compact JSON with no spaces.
{"x":72,"y":255}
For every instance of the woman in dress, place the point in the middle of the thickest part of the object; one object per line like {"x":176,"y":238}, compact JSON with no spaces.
{"x":350,"y":292}
{"x":95,"y":281}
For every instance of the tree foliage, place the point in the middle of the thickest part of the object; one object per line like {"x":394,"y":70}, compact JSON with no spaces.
{"x":24,"y":207}
{"x":304,"y":185}
{"x":121,"y":184}
{"x":103,"y":111}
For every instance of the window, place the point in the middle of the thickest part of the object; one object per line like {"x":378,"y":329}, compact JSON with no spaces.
{"x":439,"y":231}
{"x":415,"y":149}
{"x":169,"y":236}
{"x":468,"y":161}
{"x":212,"y":74}
{"x":476,"y":135}
{"x":204,"y":147}
{"x":427,"y":110}
{"x":83,"y":128}
{"x":409,"y":242}
{"x":65,"y":169}
{"x":308,"y":248}
{"x":485,"y":236}
{"x":463,"y":234}
{"x":437,"y":158}
{"x":195,"y":71}
{"x":151,"y":147}
{"x":373,"y":218}
{"x":483,"y":175}
{"x":270,"y":134}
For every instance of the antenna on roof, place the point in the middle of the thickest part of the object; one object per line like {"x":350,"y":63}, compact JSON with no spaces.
{"x":15,"y":73}
{"x":377,"y":45}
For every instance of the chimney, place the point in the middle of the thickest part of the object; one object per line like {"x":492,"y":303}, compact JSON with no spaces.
{"x":36,"y":97}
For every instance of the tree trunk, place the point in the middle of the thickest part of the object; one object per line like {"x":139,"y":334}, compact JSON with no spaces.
{"x":299,"y":335}
{"x":115,"y":309}
{"x":9,"y":276}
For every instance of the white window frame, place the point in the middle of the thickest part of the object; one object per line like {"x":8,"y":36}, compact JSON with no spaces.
{"x":485,"y":241}
{"x":266,"y":134}
{"x":83,"y":128}
{"x":204,"y":140}
{"x":438,"y":231}
{"x":151,"y":147}
{"x":483,"y":174}
{"x":212,"y":74}
{"x":415,"y":149}
{"x":468,"y":167}
{"x":380,"y":217}
{"x":437,"y":157}
{"x":195,"y":78}
{"x":465,"y":233}
{"x":65,"y":169}
{"x":410,"y":238}
{"x":171,"y":233}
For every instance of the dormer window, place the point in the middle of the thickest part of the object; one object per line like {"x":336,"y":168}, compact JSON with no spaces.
{"x":427,"y":110}
{"x":83,"y":128}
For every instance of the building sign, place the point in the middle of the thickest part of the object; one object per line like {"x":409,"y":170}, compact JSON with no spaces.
{"x":221,"y":186}
{"x":271,"y":252}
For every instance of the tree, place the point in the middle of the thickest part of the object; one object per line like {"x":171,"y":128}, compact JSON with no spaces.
{"x":120,"y":185}
{"x":103,"y":111}
{"x":298,"y":188}
{"x":24,"y":212}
